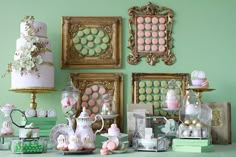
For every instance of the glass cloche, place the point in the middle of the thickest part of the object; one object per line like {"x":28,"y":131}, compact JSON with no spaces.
{"x":195,"y":118}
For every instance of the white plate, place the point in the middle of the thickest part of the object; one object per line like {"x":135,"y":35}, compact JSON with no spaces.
{"x":59,"y":129}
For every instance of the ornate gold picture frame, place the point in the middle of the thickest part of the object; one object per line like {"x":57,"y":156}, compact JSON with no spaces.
{"x":94,"y":87}
{"x":150,"y":29}
{"x":91,"y":42}
{"x":149,"y":88}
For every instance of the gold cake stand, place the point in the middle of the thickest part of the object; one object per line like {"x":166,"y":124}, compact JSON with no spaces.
{"x":33,"y":91}
{"x":199,"y":91}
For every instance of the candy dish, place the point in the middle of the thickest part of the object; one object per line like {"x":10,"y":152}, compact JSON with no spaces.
{"x":57,"y":130}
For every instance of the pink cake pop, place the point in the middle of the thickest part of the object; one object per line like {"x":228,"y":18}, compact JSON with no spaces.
{"x":148,"y":41}
{"x":147,"y":33}
{"x":154,"y":34}
{"x":162,"y":41}
{"x":140,"y":20}
{"x":154,"y":41}
{"x":140,"y":47}
{"x":147,"y":47}
{"x":162,"y":20}
{"x":162,"y":27}
{"x":140,"y":41}
{"x":141,"y":26}
{"x":154,"y":20}
{"x":148,"y":19}
{"x":161,"y":34}
{"x":148,"y":26}
{"x":140,"y":33}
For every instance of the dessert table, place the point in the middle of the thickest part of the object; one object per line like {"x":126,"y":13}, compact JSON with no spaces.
{"x":220,"y":151}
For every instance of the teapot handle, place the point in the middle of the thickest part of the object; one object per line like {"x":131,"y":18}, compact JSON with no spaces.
{"x":96,"y":118}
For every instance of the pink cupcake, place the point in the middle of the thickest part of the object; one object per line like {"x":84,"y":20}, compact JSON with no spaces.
{"x":148,"y":41}
{"x":154,"y":34}
{"x":140,"y":47}
{"x":154,"y":28}
{"x":140,"y":33}
{"x":140,"y":20}
{"x":162,"y":41}
{"x":148,"y":26}
{"x":140,"y":41}
{"x":162,"y":20}
{"x":154,"y":48}
{"x":147,"y":33}
{"x":141,"y":26}
{"x":162,"y":48}
{"x":154,"y":41}
{"x":154,"y":20}
{"x":148,"y":19}
{"x":162,"y":27}
{"x":147,"y":47}
{"x":161,"y":34}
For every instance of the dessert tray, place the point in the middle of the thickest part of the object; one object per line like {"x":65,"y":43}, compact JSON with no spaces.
{"x":59,"y":129}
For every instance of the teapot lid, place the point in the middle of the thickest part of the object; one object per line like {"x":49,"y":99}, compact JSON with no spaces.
{"x":84,"y":114}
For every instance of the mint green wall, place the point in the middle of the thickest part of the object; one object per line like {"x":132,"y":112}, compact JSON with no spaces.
{"x":204,"y":38}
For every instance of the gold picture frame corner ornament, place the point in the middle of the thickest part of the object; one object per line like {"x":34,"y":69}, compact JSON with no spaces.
{"x":91,"y":42}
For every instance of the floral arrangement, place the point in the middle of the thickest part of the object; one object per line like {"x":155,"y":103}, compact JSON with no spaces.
{"x":27,"y":59}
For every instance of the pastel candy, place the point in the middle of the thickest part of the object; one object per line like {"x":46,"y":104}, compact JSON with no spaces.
{"x":162,"y":20}
{"x":140,"y":41}
{"x":97,"y":40}
{"x":148,"y":19}
{"x":140,"y":33}
{"x":88,"y":91}
{"x":154,"y":27}
{"x":154,"y":20}
{"x":156,"y":83}
{"x":90,"y":44}
{"x":140,"y":20}
{"x":86,"y":31}
{"x":91,"y":52}
{"x":78,"y":47}
{"x":148,"y":90}
{"x":154,"y":48}
{"x":156,"y":97}
{"x":80,"y":33}
{"x":84,"y":51}
{"x":94,"y":31}
{"x":162,"y":27}
{"x":147,"y":47}
{"x":105,"y":39}
{"x":149,"y":83}
{"x":155,"y":90}
{"x":95,"y":95}
{"x":141,"y":90}
{"x":161,"y":34}
{"x":102,"y":90}
{"x":85,"y":98}
{"x":163,"y":83}
{"x":148,"y":41}
{"x":147,"y":34}
{"x":140,"y":26}
{"x":91,"y":102}
{"x":154,"y":41}
{"x":162,"y":41}
{"x":101,"y":34}
{"x":156,"y":104}
{"x":154,"y":34}
{"x":141,"y":97}
{"x":148,"y":26}
{"x":90,"y":37}
{"x":141,"y":84}
{"x":149,"y":98}
{"x":76,"y":40}
{"x":140,"y":47}
{"x":95,"y":109}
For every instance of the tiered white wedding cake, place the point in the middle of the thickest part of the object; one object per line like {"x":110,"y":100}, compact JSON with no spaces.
{"x":33,"y":60}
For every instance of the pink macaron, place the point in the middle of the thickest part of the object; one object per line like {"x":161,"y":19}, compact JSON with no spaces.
{"x":148,"y":41}
{"x":88,"y":91}
{"x":141,"y":26}
{"x":140,"y":33}
{"x":154,"y":28}
{"x":95,"y":88}
{"x":84,"y":104}
{"x":154,"y":34}
{"x":88,"y":111}
{"x":154,"y":20}
{"x":148,"y":26}
{"x":85,"y":98}
{"x":154,"y":41}
{"x":111,"y":145}
{"x":104,"y":151}
{"x":140,"y":47}
{"x":147,"y":47}
{"x":140,"y":41}
{"x":91,"y":102}
{"x":140,"y":19}
{"x":162,"y":20}
{"x":162,"y":48}
{"x":162,"y":41}
{"x":95,"y":109}
{"x":161,"y":34}
{"x":95,"y":95}
{"x":148,"y":19}
{"x":147,"y":33}
{"x":162,"y":27}
{"x":93,"y":116}
{"x":154,"y":48}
